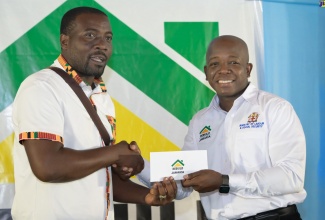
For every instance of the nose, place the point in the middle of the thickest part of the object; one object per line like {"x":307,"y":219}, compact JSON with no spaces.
{"x":102,"y":43}
{"x":224,"y":69}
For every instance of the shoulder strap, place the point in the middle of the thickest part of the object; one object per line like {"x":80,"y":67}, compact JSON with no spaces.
{"x":85,"y":101}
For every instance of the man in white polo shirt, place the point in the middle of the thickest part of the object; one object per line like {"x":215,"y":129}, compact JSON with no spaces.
{"x":255,"y":143}
{"x":62,"y":166}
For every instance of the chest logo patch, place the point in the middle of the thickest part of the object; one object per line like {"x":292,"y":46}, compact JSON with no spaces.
{"x":252,"y":122}
{"x":205,"y":133}
{"x":253,"y":117}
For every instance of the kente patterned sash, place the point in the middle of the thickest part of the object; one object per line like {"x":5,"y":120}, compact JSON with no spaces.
{"x":110,"y":119}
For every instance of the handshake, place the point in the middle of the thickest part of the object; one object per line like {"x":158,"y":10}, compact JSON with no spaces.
{"x":129,"y":162}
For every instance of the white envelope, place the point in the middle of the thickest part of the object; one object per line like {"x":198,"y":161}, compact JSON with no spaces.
{"x":176,"y":163}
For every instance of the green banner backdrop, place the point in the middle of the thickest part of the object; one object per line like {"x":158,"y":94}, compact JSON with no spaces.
{"x":155,"y":75}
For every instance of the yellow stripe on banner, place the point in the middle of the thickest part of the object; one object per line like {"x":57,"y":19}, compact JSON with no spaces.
{"x":130,"y":127}
{"x":6,"y":160}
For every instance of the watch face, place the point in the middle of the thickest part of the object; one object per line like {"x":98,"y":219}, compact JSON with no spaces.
{"x":224,"y":189}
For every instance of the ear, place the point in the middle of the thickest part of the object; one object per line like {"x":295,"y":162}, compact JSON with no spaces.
{"x":64,"y":41}
{"x":249,"y":68}
{"x":205,"y":71}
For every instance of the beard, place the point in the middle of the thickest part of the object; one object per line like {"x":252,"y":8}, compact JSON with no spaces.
{"x":86,"y":66}
{"x":90,"y":70}
{"x":96,"y":71}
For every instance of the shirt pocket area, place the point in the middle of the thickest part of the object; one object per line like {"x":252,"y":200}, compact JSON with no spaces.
{"x":250,"y":151}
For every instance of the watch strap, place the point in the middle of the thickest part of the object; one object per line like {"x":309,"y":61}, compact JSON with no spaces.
{"x":224,"y":188}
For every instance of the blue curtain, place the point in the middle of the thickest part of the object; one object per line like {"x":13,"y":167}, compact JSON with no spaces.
{"x":294,"y":38}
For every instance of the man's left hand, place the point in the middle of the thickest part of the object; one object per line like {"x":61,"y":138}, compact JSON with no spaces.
{"x":203,"y":180}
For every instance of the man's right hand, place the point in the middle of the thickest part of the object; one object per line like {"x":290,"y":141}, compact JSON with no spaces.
{"x":130,"y":161}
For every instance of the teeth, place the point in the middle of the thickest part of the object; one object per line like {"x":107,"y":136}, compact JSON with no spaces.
{"x":225,"y":81}
{"x":97,"y":59}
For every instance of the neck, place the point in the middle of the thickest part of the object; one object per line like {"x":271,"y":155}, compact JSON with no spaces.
{"x":226,"y":103}
{"x":89,"y":80}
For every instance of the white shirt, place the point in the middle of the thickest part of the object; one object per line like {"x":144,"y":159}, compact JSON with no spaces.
{"x":46,"y":103}
{"x":265,"y":158}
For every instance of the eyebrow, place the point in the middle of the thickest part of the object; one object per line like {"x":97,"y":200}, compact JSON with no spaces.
{"x":231,"y":56}
{"x":93,"y":29}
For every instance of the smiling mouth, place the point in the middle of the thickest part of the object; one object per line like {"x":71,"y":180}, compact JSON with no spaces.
{"x":98,"y":58}
{"x":224,"y":81}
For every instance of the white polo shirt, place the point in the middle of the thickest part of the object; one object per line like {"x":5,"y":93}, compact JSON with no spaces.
{"x":46,"y":107}
{"x":260,"y":144}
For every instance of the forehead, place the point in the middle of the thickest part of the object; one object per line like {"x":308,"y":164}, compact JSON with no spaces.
{"x":92,"y":21}
{"x":224,"y":48}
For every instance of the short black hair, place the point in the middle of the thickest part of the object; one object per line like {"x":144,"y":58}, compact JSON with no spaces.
{"x":67,"y":22}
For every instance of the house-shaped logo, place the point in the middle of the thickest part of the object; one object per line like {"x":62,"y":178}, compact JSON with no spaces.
{"x":178,"y":167}
{"x":205,"y":132}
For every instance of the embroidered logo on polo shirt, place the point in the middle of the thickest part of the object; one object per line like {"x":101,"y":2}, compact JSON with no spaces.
{"x":253,"y":117}
{"x":205,"y":133}
{"x":252,"y":122}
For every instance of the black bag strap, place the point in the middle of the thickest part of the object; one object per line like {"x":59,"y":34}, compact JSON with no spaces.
{"x":85,"y":101}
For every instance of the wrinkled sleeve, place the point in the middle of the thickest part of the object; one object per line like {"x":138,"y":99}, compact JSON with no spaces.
{"x":287,"y":152}
{"x":37,"y":113}
{"x":144,"y":176}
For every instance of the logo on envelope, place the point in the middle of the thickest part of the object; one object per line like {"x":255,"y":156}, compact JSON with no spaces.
{"x":178,"y":167}
{"x":176,"y":163}
{"x":205,"y":133}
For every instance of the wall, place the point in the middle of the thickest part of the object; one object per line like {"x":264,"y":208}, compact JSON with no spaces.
{"x":294,"y":49}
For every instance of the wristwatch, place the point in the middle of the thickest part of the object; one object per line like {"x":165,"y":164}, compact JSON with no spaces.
{"x":224,"y":188}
